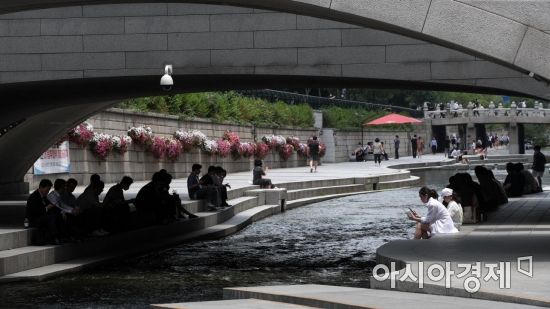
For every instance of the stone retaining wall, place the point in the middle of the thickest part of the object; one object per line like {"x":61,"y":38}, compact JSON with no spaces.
{"x":140,"y":165}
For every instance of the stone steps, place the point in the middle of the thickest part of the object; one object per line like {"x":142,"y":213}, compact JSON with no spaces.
{"x":233,"y":304}
{"x":304,"y":193}
{"x":324,"y":296}
{"x":130,"y":248}
{"x":394,"y":184}
{"x":14,"y":238}
{"x":29,"y":257}
{"x":20,"y":261}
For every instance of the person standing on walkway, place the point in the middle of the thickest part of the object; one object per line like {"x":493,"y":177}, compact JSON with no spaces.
{"x":313,"y":146}
{"x":377,"y":150}
{"x":396,"y":143}
{"x":539,"y":160}
{"x":420,"y":146}
{"x":414,"y":145}
{"x":447,"y":146}
{"x":434,"y":145}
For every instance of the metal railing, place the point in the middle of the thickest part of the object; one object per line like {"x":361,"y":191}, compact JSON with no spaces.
{"x":319,"y":102}
{"x":487,"y":112}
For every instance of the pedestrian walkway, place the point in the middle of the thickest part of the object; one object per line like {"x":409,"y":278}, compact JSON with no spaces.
{"x":323,"y":296}
{"x":518,"y":233}
{"x":296,"y":174}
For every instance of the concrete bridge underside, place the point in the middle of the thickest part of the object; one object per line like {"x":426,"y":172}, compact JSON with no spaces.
{"x":515,"y":33}
{"x":59,"y":66}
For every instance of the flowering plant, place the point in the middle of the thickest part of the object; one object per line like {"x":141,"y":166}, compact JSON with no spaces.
{"x":185,"y":138}
{"x":82,"y":134}
{"x":173,"y":149}
{"x":197,"y":138}
{"x":302,"y":150}
{"x":274,"y":141}
{"x":286,"y":151}
{"x":231,"y":137}
{"x":294,"y":141}
{"x":224,"y":148}
{"x":261,"y":150}
{"x":247,"y":150}
{"x":322,"y":150}
{"x":158,"y":146}
{"x":210,"y":146}
{"x":141,"y":135}
{"x":121,"y":143}
{"x":101,"y":145}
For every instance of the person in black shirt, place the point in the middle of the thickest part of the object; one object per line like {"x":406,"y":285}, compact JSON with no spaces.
{"x":41,"y":215}
{"x":117,"y":208}
{"x":212,"y":194}
{"x":539,"y":161}
{"x":313,"y":146}
{"x":414,"y":145}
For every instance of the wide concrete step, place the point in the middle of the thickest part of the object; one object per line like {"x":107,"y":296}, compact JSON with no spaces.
{"x":232,"y":304}
{"x":401,"y":183}
{"x":15,"y":260}
{"x":316,"y":183}
{"x":25,"y":258}
{"x":324,"y":296}
{"x":135,"y":245}
{"x":14,"y":238}
{"x":311,"y":192}
{"x":316,"y":199}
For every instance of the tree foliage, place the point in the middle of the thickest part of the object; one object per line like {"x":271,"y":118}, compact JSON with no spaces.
{"x":226,"y":106}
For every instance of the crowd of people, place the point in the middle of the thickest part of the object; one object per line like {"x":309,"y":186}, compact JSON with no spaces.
{"x":466,"y":200}
{"x":61,"y":217}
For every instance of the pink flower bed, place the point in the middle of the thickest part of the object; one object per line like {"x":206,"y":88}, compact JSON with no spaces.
{"x":262,"y":150}
{"x":322,"y":150}
{"x":173,"y":149}
{"x":232,"y":138}
{"x":224,"y":148}
{"x":158,"y":147}
{"x":286,"y":151}
{"x":302,"y":150}
{"x":82,"y":134}
{"x":101,"y":145}
{"x":247,"y":150}
{"x":141,"y":135}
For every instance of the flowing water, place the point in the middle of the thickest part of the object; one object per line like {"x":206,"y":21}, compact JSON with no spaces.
{"x":332,"y":242}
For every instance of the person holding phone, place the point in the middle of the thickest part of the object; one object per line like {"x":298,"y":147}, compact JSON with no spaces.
{"x":437,"y":221}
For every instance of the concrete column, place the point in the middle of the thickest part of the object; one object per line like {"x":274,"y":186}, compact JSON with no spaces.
{"x":470,"y":134}
{"x":318,"y":119}
{"x":513,"y":145}
{"x":329,"y":140}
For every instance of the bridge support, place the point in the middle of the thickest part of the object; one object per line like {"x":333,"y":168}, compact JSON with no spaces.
{"x":12,"y":189}
{"x":516,"y":135}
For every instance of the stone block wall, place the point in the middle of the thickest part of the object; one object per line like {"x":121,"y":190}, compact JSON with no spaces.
{"x":140,"y":165}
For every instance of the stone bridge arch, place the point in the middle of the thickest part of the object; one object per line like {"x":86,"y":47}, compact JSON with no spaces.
{"x":52,"y":81}
{"x":513,"y":33}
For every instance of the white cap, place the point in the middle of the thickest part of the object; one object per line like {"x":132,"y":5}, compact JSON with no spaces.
{"x":447,"y":192}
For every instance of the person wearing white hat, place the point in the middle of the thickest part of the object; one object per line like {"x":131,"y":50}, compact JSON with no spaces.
{"x":451,"y":200}
{"x":436,"y":221}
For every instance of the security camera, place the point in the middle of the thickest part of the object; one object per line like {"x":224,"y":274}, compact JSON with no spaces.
{"x":166,"y":81}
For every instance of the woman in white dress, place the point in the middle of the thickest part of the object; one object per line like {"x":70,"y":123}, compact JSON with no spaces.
{"x":451,"y":200}
{"x":436,"y":221}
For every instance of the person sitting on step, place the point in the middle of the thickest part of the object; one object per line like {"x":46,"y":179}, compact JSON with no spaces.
{"x":197,"y":191}
{"x":257,"y":176}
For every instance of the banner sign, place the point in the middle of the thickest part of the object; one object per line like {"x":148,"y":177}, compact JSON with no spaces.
{"x":54,"y":161}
